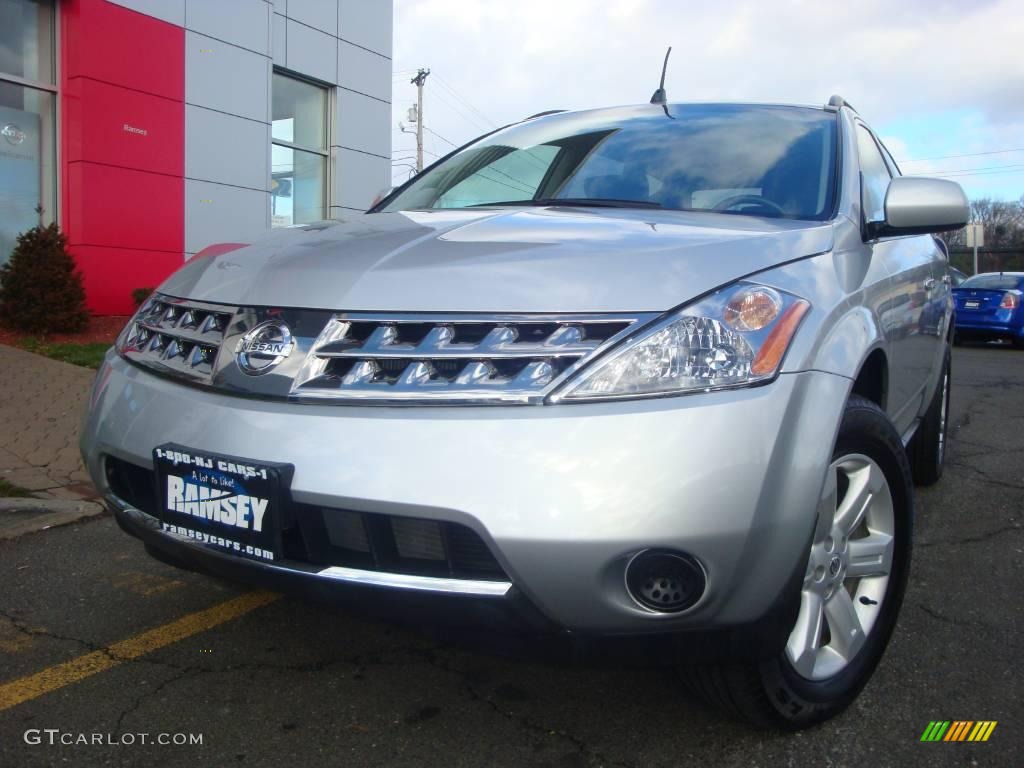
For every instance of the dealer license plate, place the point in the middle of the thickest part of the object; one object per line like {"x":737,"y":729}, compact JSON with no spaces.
{"x":231,"y":503}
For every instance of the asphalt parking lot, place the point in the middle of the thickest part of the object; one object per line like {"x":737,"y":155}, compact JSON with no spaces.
{"x":97,"y":638}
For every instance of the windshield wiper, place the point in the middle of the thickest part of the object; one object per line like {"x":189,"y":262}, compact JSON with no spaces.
{"x":596,"y":202}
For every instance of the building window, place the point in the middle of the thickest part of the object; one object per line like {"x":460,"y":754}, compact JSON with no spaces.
{"x":28,"y":104}
{"x":298,"y":152}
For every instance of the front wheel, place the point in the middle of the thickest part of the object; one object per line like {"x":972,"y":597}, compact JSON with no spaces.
{"x":851,"y":593}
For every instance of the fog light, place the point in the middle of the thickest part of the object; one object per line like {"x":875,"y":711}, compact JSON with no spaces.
{"x":665,"y":581}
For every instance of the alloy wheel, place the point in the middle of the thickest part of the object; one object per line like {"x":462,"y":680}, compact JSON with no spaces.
{"x":848,"y":568}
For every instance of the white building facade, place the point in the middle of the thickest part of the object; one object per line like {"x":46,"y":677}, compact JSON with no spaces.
{"x":152,"y":128}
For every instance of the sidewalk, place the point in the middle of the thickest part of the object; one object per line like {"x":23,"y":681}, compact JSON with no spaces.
{"x":41,"y":404}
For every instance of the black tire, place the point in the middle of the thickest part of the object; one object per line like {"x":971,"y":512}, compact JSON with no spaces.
{"x":771,"y":694}
{"x":1018,"y":343}
{"x":927,"y":451}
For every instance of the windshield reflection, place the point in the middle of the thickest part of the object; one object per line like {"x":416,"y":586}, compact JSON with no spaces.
{"x":768,"y":161}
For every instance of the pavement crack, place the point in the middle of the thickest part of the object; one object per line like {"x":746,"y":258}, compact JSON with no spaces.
{"x":527,"y":724}
{"x":416,"y":654}
{"x":956,"y":622}
{"x":988,"y":535}
{"x":25,"y":629}
{"x":181,"y":674}
{"x":994,"y":384}
{"x":987,"y":476}
{"x":20,"y":626}
{"x":986,"y":448}
{"x":419,"y":654}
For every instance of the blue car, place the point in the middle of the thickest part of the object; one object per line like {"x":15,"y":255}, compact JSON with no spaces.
{"x":988,"y":307}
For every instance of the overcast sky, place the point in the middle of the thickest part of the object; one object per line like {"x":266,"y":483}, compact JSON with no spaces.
{"x":934,"y":77}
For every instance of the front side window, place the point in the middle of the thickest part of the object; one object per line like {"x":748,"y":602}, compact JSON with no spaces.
{"x":299,"y":152}
{"x":512,"y":173}
{"x":737,"y":159}
{"x":874,"y":176}
{"x":28,"y":98}
{"x":894,"y":169}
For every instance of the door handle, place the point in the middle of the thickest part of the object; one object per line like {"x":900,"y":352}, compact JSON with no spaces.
{"x":929,"y":283}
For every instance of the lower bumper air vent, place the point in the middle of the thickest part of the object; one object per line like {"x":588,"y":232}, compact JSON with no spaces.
{"x":326,"y":536}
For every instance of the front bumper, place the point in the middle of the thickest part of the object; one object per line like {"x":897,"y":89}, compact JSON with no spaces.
{"x":459,"y":603}
{"x":563,"y":495}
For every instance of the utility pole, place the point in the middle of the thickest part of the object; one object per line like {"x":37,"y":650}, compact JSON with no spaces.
{"x":418,"y":81}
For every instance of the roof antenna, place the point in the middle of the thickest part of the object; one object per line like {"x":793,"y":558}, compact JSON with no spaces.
{"x":660,"y":97}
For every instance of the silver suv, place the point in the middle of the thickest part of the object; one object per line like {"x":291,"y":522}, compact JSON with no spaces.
{"x":653,"y":377}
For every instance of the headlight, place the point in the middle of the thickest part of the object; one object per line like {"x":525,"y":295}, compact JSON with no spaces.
{"x":733,"y":338}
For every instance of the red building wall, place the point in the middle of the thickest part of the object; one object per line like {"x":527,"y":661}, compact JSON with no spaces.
{"x":123,"y":145}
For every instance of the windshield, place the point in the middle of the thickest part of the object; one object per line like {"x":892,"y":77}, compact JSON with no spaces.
{"x":992,"y":282}
{"x":757,"y":160}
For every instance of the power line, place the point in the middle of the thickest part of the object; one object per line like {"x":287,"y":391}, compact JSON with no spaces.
{"x":465,"y":101}
{"x":518,"y":185}
{"x":462,"y":113}
{"x":442,"y":138}
{"x":978,"y":173}
{"x":983,"y":168}
{"x":413,"y":149}
{"x":447,"y":86}
{"x":971,"y":154}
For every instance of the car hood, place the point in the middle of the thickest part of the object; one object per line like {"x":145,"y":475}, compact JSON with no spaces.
{"x":552,"y":259}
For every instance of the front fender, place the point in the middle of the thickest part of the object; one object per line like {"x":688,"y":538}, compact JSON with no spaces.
{"x":843,"y":327}
{"x":848,"y":343}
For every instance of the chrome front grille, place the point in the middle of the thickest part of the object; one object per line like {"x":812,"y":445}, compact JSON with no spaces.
{"x":177,"y":336}
{"x":452,"y":358}
{"x":373,"y":358}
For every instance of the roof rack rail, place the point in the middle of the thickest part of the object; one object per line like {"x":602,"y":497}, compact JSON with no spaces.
{"x":837,"y":102}
{"x":546,"y":113}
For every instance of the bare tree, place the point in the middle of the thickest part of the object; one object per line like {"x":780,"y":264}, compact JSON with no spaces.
{"x":1003,"y":222}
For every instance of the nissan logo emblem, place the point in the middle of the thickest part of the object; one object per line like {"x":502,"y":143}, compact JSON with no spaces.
{"x":264,"y":347}
{"x":13,"y":134}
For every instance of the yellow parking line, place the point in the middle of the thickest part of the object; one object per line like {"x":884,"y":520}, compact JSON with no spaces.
{"x":52,"y":678}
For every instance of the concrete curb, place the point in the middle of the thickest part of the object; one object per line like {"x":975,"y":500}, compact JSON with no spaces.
{"x":20,"y":516}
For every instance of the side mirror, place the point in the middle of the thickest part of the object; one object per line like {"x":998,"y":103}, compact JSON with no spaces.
{"x":920,"y":206}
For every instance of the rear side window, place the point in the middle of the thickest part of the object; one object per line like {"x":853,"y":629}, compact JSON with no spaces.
{"x":874,"y":174}
{"x":993,"y":282}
